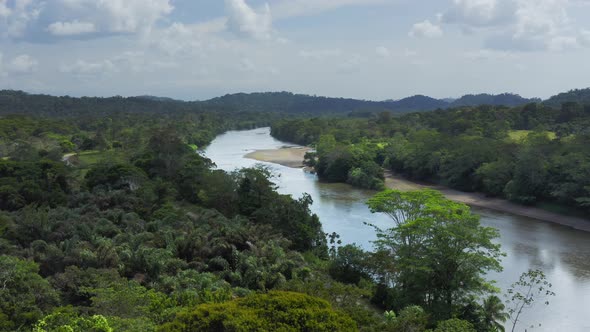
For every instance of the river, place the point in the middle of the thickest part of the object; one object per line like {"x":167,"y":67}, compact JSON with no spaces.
{"x":562,"y":253}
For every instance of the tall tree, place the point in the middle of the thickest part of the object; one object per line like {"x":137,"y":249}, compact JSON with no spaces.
{"x":438,"y":248}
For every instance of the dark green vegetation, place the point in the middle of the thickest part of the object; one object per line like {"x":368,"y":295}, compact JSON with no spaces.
{"x":533,"y":154}
{"x":137,"y":226}
{"x":18,"y":102}
{"x":110,"y":220}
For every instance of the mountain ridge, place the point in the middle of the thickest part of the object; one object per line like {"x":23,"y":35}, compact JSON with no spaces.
{"x":13,"y":101}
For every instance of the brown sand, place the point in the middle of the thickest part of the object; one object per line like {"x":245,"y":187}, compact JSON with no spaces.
{"x":290,"y":157}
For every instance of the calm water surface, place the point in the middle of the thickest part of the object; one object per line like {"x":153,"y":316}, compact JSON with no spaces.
{"x":562,"y":253}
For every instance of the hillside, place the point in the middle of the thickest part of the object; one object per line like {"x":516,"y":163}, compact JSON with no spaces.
{"x":580,"y":96}
{"x":19,"y":102}
{"x":288,"y":102}
{"x":505,"y":99}
{"x":419,"y":103}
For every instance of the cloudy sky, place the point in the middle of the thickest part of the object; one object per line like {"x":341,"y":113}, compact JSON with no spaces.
{"x":370,"y":49}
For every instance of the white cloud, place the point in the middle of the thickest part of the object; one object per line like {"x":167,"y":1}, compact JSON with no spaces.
{"x":487,"y":54}
{"x":4,"y":10}
{"x":75,"y":17}
{"x":243,"y":20}
{"x":23,"y":64}
{"x":319,"y":54}
{"x":585,"y":37}
{"x":382,"y":51}
{"x":480,"y":13}
{"x":426,"y":29}
{"x":18,"y":16}
{"x":71,"y":28}
{"x":524,"y":25}
{"x":129,"y":16}
{"x":561,"y":43}
{"x":187,"y":39}
{"x":84,"y":68}
{"x":293,"y":8}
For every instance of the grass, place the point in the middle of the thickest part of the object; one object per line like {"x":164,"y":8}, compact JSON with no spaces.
{"x":92,"y":157}
{"x":520,"y":135}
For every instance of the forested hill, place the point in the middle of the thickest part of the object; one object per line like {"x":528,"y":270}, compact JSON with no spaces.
{"x":19,"y":102}
{"x":296,"y":103}
{"x":580,"y":96}
{"x":504,"y":99}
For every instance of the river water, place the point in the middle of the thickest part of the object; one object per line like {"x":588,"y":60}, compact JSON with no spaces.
{"x":562,"y":253}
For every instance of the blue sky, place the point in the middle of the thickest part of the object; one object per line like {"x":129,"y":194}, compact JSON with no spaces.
{"x":370,"y":49}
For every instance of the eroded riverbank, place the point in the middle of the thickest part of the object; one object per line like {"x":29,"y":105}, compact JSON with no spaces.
{"x":293,"y":157}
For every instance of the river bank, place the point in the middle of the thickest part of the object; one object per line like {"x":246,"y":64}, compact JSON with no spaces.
{"x":287,"y":156}
{"x":293,"y":157}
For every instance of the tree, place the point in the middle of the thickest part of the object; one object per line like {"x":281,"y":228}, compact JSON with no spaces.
{"x":439,"y":250}
{"x":531,"y":286}
{"x":493,"y":314}
{"x":66,"y":319}
{"x":454,"y":325}
{"x":24,"y":294}
{"x":275,"y":311}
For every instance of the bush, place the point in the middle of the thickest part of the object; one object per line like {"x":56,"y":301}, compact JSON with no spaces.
{"x":275,"y":311}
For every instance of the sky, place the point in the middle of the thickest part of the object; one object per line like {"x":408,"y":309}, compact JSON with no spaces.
{"x":366,"y":49}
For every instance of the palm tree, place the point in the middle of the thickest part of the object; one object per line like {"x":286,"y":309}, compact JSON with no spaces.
{"x":493,"y":314}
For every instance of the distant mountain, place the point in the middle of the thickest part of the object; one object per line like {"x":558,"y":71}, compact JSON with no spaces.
{"x":580,"y":96}
{"x":418,"y":103}
{"x":15,"y":102}
{"x":505,"y":99}
{"x":156,"y":98}
{"x":297,"y":103}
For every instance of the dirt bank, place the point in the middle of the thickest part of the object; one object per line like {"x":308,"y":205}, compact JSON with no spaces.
{"x":293,"y":157}
{"x":480,"y":200}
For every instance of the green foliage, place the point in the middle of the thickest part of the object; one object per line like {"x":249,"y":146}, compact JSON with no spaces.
{"x":66,"y":320}
{"x":24,"y":295}
{"x":529,"y":154}
{"x":275,"y":311}
{"x":454,"y":325}
{"x":438,"y":250}
{"x":349,"y":264}
{"x":410,"y":319}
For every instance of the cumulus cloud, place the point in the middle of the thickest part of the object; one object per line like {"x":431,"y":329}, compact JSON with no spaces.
{"x":524,"y":25}
{"x":382,"y":51}
{"x":187,"y":39}
{"x":72,"y":28}
{"x":76,"y":17}
{"x":480,"y":13}
{"x":243,"y":20}
{"x":17,"y":15}
{"x":487,"y":54}
{"x":319,"y":54}
{"x":129,"y":16}
{"x":292,"y":8}
{"x":84,"y":68}
{"x":426,"y":29}
{"x":4,"y":10}
{"x":23,"y":64}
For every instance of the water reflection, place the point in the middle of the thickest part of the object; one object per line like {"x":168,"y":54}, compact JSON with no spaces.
{"x":562,"y":253}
